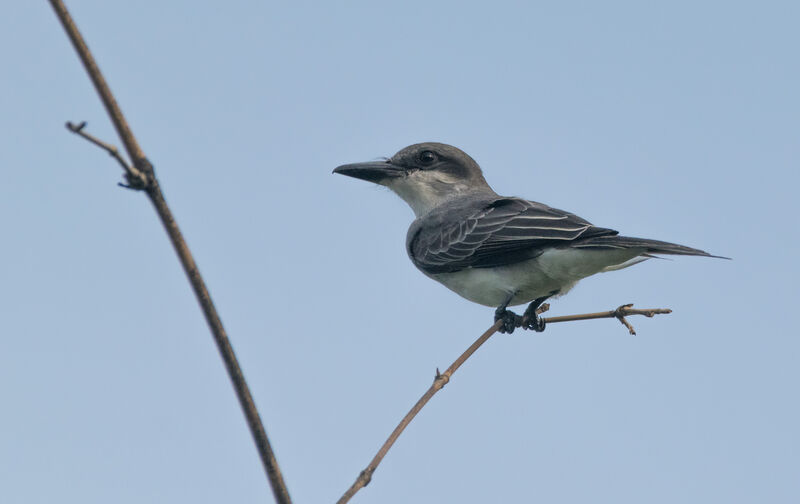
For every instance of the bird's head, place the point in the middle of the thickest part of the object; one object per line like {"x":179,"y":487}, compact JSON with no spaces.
{"x":425,"y":175}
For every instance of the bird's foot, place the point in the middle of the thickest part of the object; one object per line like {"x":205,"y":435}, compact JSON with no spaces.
{"x":531,"y":319}
{"x":534,"y":322}
{"x":510,"y":320}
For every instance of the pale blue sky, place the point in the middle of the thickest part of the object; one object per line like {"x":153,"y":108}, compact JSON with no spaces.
{"x":677,"y":121}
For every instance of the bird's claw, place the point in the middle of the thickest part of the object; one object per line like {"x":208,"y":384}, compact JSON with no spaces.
{"x":535,"y":323}
{"x":510,"y":320}
{"x":531,"y":319}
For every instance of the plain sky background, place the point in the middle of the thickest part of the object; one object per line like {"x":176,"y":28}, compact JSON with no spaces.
{"x":678,"y":121}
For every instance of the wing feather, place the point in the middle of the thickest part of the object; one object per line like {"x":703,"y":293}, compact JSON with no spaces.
{"x":504,"y":231}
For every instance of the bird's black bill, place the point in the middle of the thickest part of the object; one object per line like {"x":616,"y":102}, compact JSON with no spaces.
{"x":371,"y":171}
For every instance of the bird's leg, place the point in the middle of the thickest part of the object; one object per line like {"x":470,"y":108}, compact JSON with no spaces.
{"x":530,"y":320}
{"x":510,"y":319}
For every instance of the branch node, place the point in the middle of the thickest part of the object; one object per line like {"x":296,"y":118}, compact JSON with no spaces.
{"x":142,"y":177}
{"x":623,"y":310}
{"x":365,"y":476}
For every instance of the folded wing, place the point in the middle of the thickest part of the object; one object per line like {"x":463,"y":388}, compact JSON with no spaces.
{"x":504,"y":231}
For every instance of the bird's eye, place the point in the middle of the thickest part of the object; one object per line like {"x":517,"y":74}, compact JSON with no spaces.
{"x":427,"y":157}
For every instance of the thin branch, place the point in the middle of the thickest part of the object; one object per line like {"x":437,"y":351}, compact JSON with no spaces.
{"x":112,"y":150}
{"x":441,"y":379}
{"x":136,"y":176}
{"x":141,"y":176}
{"x":620,"y":314}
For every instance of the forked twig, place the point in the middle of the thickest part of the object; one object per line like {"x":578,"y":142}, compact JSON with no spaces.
{"x":620,"y":314}
{"x":140,"y":176}
{"x":441,"y":379}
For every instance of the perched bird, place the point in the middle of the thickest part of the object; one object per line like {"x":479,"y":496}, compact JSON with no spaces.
{"x":495,"y":250}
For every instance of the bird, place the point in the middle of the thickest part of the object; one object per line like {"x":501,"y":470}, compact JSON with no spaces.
{"x":497,"y":251}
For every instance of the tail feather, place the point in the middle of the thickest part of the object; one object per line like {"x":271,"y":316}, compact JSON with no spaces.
{"x":648,"y":246}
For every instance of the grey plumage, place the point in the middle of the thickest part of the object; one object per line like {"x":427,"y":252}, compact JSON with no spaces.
{"x":496,"y":250}
{"x":491,"y":232}
{"x":504,"y":231}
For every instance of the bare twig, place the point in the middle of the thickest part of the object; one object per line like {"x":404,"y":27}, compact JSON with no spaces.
{"x":142,"y":177}
{"x":441,"y":379}
{"x":620,"y":314}
{"x":112,"y":150}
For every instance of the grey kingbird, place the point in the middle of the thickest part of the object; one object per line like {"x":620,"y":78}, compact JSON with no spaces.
{"x":494,"y":250}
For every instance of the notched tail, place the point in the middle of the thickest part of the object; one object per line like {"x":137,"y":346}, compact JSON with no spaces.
{"x":649,"y":246}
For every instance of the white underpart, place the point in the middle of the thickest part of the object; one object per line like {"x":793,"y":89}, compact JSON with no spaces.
{"x":555,"y":270}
